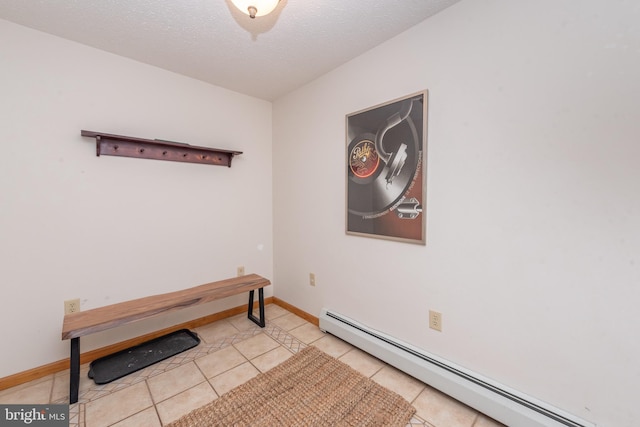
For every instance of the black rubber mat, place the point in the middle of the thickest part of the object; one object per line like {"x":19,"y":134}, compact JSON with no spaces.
{"x":117,"y":365}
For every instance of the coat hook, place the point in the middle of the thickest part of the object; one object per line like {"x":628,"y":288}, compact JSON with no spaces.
{"x":119,"y":145}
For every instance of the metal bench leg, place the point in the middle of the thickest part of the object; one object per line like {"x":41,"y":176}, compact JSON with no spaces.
{"x":260,"y":322}
{"x":74,"y":376}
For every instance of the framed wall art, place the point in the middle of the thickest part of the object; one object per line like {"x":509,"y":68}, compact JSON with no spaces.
{"x":386,"y":170}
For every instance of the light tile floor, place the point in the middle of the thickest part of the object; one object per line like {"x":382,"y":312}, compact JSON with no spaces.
{"x":232,"y":351}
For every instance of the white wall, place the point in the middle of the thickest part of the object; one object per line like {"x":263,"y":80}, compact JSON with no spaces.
{"x":533,"y":207}
{"x":107,"y":229}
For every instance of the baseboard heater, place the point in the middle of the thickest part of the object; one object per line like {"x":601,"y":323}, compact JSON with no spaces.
{"x":499,"y":402}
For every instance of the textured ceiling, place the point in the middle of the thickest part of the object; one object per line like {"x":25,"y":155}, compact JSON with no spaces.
{"x":212,"y":41}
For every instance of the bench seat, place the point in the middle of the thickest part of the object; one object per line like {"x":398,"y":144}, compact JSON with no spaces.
{"x":76,"y":325}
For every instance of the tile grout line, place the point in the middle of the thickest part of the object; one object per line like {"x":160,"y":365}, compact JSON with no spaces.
{"x":153,"y":403}
{"x":475,"y":420}
{"x":283,"y":337}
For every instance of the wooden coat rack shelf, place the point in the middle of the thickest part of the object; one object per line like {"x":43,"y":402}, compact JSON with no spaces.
{"x":126,"y":146}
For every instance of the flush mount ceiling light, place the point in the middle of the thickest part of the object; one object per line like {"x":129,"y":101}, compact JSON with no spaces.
{"x":255,"y":8}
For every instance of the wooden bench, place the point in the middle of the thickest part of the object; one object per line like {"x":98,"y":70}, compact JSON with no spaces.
{"x":76,"y":325}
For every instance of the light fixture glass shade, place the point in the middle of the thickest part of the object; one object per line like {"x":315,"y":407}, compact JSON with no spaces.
{"x":255,"y":8}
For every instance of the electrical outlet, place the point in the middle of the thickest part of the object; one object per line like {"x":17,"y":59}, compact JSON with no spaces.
{"x":241,"y":271}
{"x":71,"y":306}
{"x":435,"y":320}
{"x":312,"y":279}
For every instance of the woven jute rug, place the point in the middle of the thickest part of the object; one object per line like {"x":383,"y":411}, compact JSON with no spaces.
{"x":311,"y":388}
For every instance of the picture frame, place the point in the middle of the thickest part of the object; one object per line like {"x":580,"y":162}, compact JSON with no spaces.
{"x":386,"y":147}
